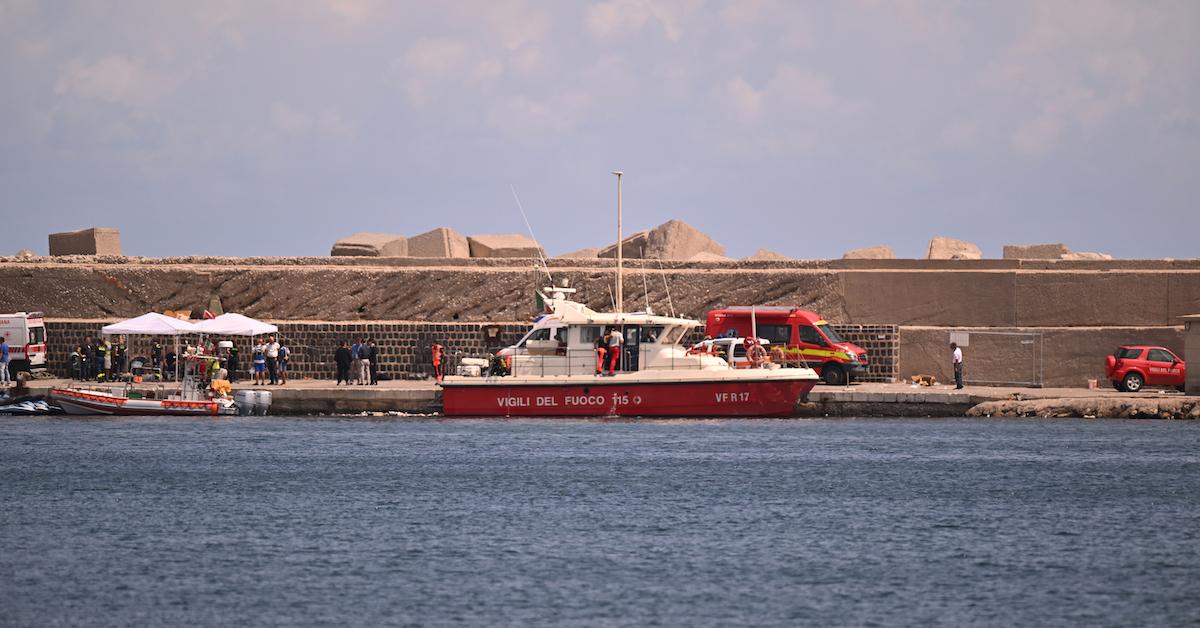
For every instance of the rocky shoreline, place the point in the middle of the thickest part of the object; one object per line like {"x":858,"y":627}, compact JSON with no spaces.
{"x":1104,"y":408}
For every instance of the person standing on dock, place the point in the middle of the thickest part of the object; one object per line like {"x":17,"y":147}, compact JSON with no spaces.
{"x":232,"y":364}
{"x":103,"y":359}
{"x":78,"y":363}
{"x":355,"y":362}
{"x":284,"y":354}
{"x":364,"y":357}
{"x":272,"y":353}
{"x":260,"y":363}
{"x":374,"y":361}
{"x":342,"y":359}
{"x":118,"y":358}
{"x":4,"y":361}
{"x":89,"y":355}
{"x":436,"y":350}
{"x":956,"y":352}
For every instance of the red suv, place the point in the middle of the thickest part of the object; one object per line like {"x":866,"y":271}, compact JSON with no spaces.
{"x":1132,"y":367}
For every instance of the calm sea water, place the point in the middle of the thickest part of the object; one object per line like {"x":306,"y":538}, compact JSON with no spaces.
{"x":281,"y":522}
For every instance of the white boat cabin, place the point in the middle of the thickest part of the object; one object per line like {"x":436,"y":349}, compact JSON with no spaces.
{"x":563,"y":341}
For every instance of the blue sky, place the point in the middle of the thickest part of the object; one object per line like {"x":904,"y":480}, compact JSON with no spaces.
{"x":274,"y":127}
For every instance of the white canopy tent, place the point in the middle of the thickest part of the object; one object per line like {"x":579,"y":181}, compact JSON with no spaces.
{"x":151,"y":324}
{"x":233,"y":324}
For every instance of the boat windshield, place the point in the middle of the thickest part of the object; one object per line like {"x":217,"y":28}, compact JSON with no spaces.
{"x":542,"y":333}
{"x":673,"y":335}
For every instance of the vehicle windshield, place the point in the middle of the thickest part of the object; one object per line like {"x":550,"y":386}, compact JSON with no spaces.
{"x":829,"y":333}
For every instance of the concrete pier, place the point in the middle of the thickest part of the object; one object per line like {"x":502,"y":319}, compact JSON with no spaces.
{"x":322,"y":397}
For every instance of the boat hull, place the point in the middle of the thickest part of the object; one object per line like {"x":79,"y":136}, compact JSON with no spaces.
{"x":84,"y":402}
{"x":606,"y":397}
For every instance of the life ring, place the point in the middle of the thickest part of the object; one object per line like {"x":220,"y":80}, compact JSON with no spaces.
{"x":756,"y":353}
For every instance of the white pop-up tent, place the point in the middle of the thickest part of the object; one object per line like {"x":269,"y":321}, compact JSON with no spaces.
{"x":151,"y":324}
{"x":233,"y":324}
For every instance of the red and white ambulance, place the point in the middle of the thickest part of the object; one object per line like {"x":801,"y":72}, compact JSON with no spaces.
{"x":798,"y":334}
{"x":25,"y":333}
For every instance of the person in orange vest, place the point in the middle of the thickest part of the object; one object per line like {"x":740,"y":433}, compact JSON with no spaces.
{"x":436,"y":351}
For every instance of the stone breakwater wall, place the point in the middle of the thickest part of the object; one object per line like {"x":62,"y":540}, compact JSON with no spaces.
{"x":404,"y":346}
{"x":1082,"y":308}
{"x":949,"y":293}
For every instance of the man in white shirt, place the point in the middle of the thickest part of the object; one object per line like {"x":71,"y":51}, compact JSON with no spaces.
{"x":272,"y":353}
{"x":957,"y":353}
{"x":615,"y":339}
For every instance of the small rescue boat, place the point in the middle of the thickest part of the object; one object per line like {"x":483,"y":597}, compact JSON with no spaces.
{"x":85,"y":401}
{"x":194,"y":396}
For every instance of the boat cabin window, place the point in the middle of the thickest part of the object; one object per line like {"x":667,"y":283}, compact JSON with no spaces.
{"x":589,"y":333}
{"x":777,"y":334}
{"x":673,"y":335}
{"x":651,"y":334}
{"x":537,"y":334}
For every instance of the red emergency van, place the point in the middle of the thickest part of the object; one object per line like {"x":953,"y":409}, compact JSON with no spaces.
{"x":799,"y":334}
{"x":25,"y":333}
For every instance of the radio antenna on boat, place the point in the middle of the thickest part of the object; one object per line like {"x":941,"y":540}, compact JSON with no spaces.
{"x":541,"y":251}
{"x":666,"y":287}
{"x":645,"y":289}
{"x":619,"y":305}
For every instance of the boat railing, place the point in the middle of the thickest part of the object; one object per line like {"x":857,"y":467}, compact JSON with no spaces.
{"x":587,"y":361}
{"x":788,"y":357}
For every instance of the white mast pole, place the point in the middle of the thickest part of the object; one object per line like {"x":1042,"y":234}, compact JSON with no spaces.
{"x":620,"y":260}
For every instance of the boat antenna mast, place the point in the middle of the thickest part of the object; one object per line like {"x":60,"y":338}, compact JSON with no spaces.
{"x":541,"y":251}
{"x":666,"y":288}
{"x":620,"y":261}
